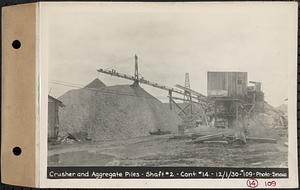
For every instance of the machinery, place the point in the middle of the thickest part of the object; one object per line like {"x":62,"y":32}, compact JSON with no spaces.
{"x":190,"y":97}
{"x":233,"y":99}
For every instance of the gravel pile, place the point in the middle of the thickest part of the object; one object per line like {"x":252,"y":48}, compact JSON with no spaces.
{"x":113,"y":112}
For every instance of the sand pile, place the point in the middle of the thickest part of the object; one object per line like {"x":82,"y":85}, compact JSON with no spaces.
{"x":114,"y":112}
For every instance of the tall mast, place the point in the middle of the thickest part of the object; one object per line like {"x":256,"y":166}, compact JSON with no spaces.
{"x":136,"y":71}
{"x":187,"y":94}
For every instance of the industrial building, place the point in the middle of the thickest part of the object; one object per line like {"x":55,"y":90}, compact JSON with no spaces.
{"x":233,"y":98}
{"x":53,"y":119}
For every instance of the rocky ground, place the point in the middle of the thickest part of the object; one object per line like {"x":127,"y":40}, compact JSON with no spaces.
{"x":164,"y":150}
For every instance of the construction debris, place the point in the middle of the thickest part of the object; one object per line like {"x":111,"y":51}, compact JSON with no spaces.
{"x":159,"y":132}
{"x":180,"y":137}
{"x":68,"y":139}
{"x":215,"y":142}
{"x":261,"y":140}
{"x":240,"y":137}
{"x":208,"y":137}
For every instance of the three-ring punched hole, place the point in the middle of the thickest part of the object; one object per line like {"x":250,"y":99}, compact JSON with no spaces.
{"x":16,"y":150}
{"x":16,"y":44}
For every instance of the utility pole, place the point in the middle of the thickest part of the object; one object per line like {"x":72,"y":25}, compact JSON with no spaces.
{"x":170,"y":99}
{"x":136,"y":71}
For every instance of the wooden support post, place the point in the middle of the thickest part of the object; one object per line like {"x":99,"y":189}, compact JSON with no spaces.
{"x":178,"y":106}
{"x":170,"y":99}
{"x":203,"y":112}
{"x":204,"y":115}
{"x":236,"y":111}
{"x":191,"y":104}
{"x":184,"y":108}
{"x":215,"y":113}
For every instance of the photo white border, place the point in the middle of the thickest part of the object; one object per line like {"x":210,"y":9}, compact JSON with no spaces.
{"x":42,"y":66}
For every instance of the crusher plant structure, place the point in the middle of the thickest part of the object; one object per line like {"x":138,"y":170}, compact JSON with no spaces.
{"x":233,"y":100}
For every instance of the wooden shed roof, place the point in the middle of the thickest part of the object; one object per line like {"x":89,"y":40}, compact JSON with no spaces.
{"x":56,"y":100}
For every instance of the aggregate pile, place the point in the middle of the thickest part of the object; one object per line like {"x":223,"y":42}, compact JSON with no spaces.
{"x":96,"y":83}
{"x":273,"y":117}
{"x":113,"y":112}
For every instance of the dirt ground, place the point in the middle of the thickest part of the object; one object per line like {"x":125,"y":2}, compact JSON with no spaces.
{"x":163,"y":150}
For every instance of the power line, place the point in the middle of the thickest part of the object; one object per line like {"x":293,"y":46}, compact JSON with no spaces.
{"x":67,"y":84}
{"x":113,"y":64}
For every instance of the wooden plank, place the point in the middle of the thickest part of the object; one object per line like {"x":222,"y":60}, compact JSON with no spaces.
{"x":228,"y":81}
{"x":215,"y":142}
{"x":209,"y":137}
{"x":178,"y":106}
{"x":261,"y":140}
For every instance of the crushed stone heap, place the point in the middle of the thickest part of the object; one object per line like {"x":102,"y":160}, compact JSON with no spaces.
{"x":95,"y":84}
{"x":114,"y":112}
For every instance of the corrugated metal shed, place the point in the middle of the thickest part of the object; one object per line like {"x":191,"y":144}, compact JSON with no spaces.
{"x":231,"y":84}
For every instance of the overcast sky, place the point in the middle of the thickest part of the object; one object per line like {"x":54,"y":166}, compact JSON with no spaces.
{"x":170,"y":40}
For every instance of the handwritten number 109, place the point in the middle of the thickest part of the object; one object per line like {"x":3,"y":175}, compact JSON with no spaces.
{"x":270,"y":183}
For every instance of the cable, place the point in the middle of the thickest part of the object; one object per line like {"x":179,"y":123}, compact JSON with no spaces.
{"x":98,"y":90}
{"x":69,"y":83}
{"x":119,"y":61}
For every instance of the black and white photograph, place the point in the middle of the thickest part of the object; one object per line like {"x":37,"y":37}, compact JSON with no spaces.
{"x":166,"y":87}
{"x":150,"y":94}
